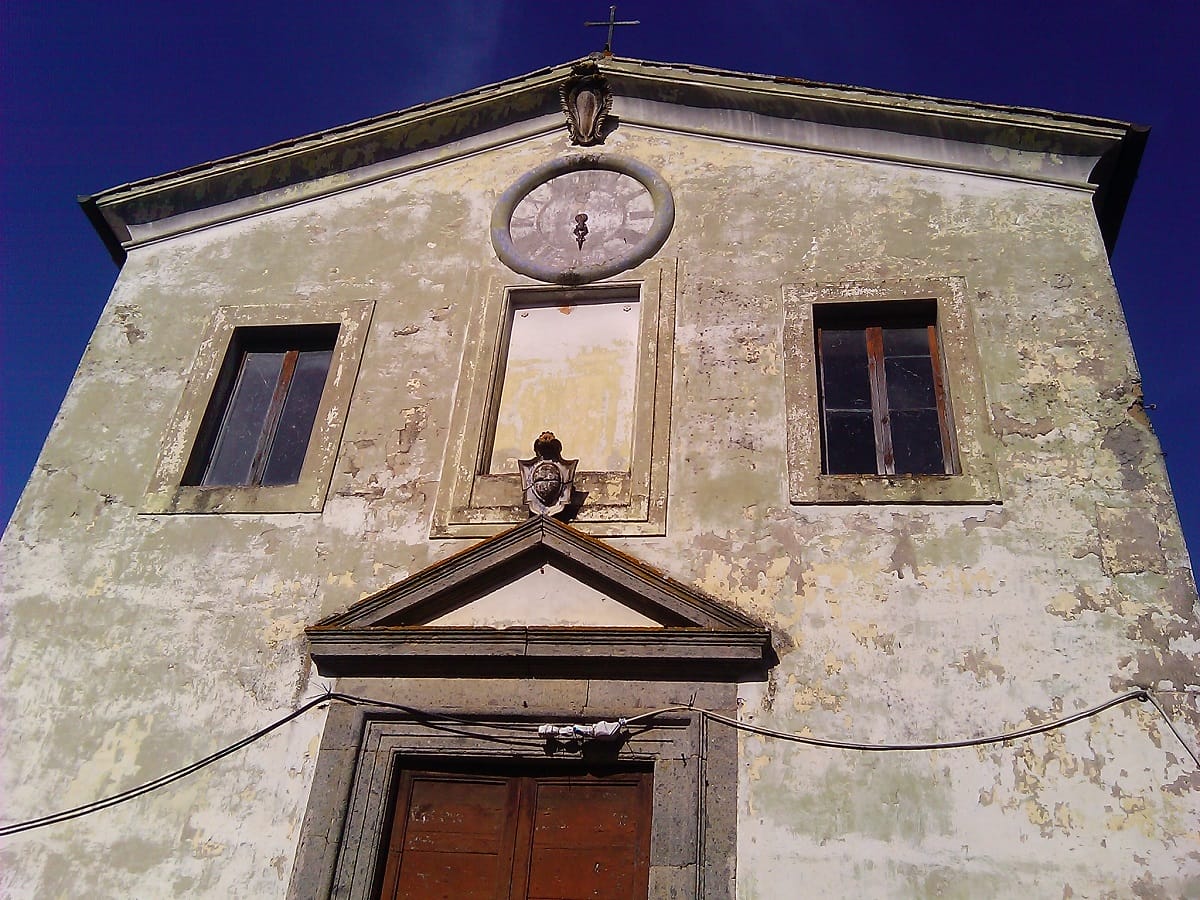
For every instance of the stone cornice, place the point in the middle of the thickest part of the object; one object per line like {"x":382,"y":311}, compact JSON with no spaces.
{"x":1078,"y":152}
{"x":560,"y":652}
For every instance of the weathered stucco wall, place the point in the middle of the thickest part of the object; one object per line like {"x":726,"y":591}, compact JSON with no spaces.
{"x":137,"y":643}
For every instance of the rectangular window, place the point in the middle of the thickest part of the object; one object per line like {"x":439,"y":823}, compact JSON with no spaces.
{"x":258,"y":423}
{"x":568,"y":832}
{"x":570,"y":366}
{"x":882,"y":395}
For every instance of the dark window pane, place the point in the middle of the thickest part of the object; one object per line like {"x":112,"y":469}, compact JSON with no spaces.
{"x":906,"y":342}
{"x":241,"y":428}
{"x":295,"y":423}
{"x":845,"y":381}
{"x":909,"y":382}
{"x":917,"y":442}
{"x":849,"y":443}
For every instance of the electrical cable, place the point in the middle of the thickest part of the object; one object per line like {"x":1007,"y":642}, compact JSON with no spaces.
{"x":162,"y":781}
{"x":1162,"y":712}
{"x":353,"y":700}
{"x":658,"y":712}
{"x":438,"y":721}
{"x":1139,"y":694}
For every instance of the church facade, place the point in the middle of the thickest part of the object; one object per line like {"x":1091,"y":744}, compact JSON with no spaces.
{"x":640,"y":480}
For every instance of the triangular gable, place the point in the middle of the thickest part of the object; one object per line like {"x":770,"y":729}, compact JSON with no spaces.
{"x":538,"y":597}
{"x":546,"y":596}
{"x":951,"y":135}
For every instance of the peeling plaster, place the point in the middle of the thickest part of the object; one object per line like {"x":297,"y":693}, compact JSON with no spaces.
{"x":892,"y":622}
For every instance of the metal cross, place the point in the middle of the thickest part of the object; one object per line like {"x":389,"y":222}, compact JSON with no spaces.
{"x":611,"y":23}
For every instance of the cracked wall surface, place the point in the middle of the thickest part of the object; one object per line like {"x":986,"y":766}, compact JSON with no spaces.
{"x":135,"y":643}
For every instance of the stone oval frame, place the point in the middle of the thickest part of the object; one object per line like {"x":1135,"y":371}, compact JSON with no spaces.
{"x":651,"y":243}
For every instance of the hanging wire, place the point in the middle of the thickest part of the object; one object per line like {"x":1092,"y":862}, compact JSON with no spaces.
{"x":1162,"y":712}
{"x":463,"y":727}
{"x":1139,"y":694}
{"x":427,"y":718}
{"x":162,"y":781}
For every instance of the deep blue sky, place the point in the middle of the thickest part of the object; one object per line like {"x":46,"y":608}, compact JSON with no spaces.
{"x":97,"y":94}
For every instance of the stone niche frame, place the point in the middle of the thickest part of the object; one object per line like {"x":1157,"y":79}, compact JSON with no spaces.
{"x":473,"y":503}
{"x":166,"y":492}
{"x":476,"y":695}
{"x":975,"y":480}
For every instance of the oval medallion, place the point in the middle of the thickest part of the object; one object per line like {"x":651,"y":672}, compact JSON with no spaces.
{"x":546,"y":482}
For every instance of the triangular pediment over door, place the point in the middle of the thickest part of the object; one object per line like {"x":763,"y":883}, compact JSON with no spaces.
{"x":540,"y":599}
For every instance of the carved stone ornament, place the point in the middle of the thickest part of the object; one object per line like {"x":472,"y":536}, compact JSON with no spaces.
{"x":586,"y":101}
{"x":547,"y":480}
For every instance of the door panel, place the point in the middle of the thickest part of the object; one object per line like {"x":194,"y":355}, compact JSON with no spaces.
{"x":569,"y":835}
{"x":452,"y":839}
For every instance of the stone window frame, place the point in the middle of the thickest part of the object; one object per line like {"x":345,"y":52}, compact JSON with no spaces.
{"x":237,"y":428}
{"x":472,"y":503}
{"x":694,"y":804}
{"x":975,"y":479}
{"x":167,"y":493}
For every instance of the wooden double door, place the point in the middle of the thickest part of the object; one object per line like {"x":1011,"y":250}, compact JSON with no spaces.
{"x":535,"y":834}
